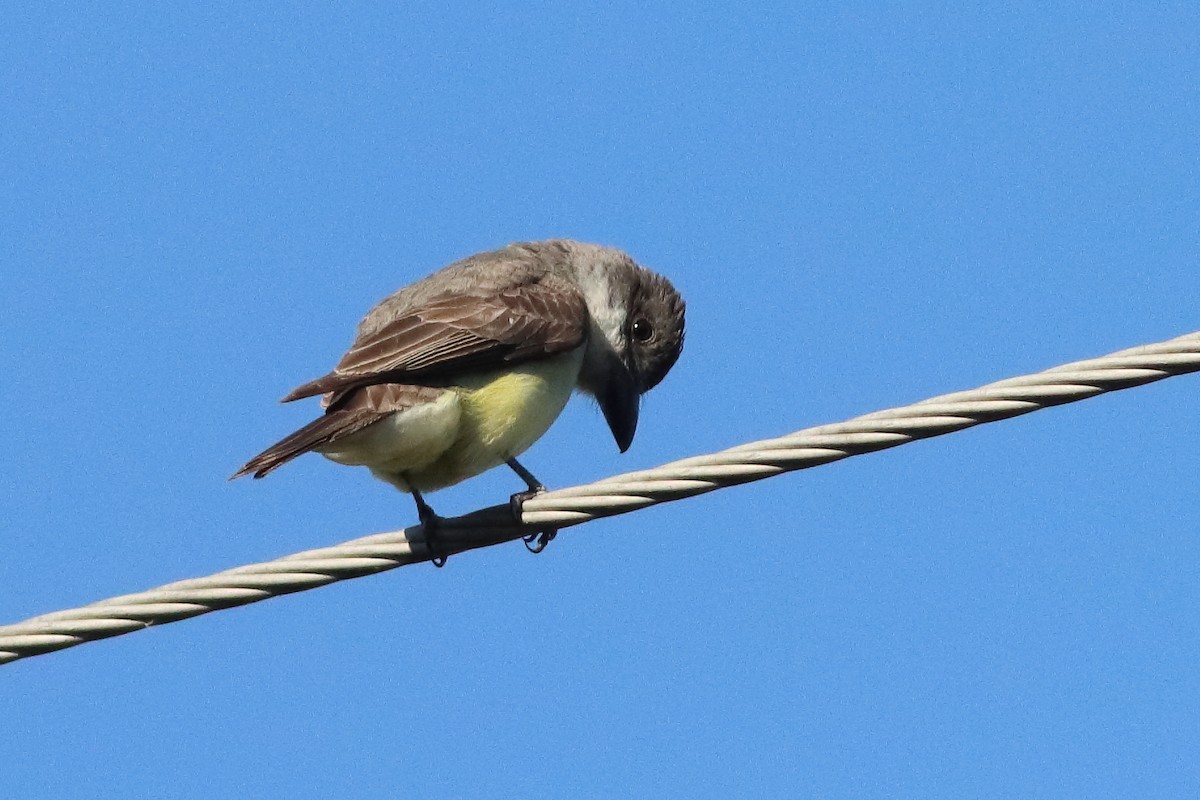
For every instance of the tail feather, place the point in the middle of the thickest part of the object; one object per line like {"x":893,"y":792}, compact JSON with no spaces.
{"x":321,"y":431}
{"x":348,"y":411}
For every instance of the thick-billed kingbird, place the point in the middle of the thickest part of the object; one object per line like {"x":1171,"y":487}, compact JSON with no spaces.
{"x":464,"y":370}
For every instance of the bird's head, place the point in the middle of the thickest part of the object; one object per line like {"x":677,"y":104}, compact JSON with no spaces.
{"x":637,"y":323}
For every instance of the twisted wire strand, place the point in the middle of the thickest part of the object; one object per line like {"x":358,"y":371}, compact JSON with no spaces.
{"x":615,"y":495}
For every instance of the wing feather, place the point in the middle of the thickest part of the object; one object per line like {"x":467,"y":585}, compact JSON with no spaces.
{"x":539,"y":317}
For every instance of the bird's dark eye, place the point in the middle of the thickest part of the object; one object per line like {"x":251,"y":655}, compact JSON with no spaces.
{"x":642,"y":330}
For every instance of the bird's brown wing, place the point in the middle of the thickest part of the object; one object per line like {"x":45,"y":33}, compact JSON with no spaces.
{"x":466,"y":330}
{"x":359,"y":409}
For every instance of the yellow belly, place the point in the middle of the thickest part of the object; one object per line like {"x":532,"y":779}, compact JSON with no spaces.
{"x":501,"y":413}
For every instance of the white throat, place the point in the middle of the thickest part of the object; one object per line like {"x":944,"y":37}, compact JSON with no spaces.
{"x":605,"y":302}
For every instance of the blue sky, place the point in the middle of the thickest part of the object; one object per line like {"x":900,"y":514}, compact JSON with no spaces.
{"x":865,"y":204}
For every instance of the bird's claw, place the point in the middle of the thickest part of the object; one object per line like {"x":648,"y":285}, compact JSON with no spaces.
{"x":430,"y":522}
{"x":535,"y":542}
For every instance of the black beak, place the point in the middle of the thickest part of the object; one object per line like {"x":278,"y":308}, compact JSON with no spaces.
{"x":619,"y":402}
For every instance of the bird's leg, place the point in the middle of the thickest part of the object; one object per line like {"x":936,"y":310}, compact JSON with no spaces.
{"x":429,"y":526}
{"x":535,"y":542}
{"x":535,"y":486}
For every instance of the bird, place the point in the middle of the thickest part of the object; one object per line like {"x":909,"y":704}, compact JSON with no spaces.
{"x":464,"y":370}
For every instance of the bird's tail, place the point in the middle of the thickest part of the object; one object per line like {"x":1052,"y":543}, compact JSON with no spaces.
{"x":346,"y":414}
{"x":321,"y":431}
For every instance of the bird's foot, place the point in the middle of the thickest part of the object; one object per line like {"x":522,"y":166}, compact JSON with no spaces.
{"x":535,"y":542}
{"x":430,"y":522}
